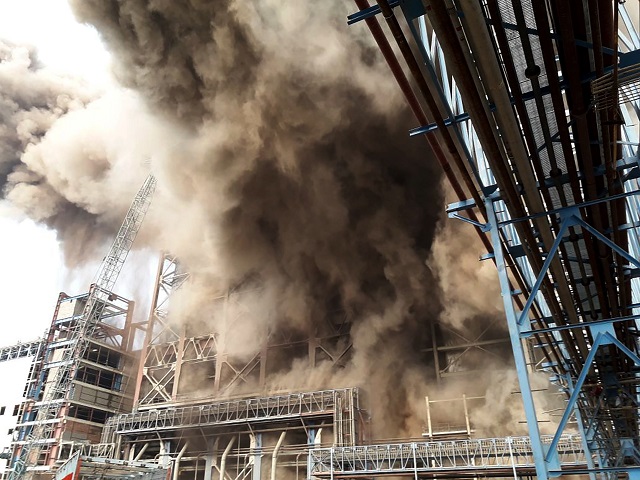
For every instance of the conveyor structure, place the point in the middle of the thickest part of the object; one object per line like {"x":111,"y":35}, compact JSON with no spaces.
{"x":532,"y":109}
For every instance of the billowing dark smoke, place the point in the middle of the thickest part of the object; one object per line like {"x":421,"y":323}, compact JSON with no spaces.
{"x":302,"y":170}
{"x":286,"y":171}
{"x":31,"y":100}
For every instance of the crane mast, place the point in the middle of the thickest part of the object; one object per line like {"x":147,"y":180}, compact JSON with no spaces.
{"x":60,"y":388}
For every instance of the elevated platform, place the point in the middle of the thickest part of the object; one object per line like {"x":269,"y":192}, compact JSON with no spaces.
{"x":234,"y":411}
{"x":487,"y":457}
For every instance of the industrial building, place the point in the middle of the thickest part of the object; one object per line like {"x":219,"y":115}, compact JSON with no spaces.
{"x":531,"y":108}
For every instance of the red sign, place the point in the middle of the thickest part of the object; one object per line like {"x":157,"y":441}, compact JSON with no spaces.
{"x":70,"y":470}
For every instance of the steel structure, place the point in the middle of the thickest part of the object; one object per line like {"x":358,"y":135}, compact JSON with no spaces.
{"x":78,"y":333}
{"x":531,"y":107}
{"x":171,"y":352}
{"x":239,"y":438}
{"x":486,"y":457}
{"x":547,"y":174}
{"x":100,"y":386}
{"x":21,"y":350}
{"x":342,"y":405}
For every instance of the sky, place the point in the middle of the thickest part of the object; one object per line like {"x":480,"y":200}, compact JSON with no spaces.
{"x":34,"y":272}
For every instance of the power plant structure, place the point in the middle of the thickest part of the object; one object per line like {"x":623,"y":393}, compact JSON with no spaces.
{"x":531,"y":108}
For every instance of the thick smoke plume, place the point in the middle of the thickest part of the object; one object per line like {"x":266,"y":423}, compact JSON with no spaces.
{"x":286,"y":176}
{"x":31,"y":101}
{"x":296,"y":181}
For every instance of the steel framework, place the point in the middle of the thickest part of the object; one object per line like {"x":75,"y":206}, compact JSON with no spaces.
{"x":487,"y":457}
{"x":342,"y":405}
{"x":60,"y":387}
{"x":169,"y":351}
{"x":549,"y":183}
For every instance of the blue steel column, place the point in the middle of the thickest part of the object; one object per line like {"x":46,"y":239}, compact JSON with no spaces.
{"x":516,"y":345}
{"x":585,"y":435}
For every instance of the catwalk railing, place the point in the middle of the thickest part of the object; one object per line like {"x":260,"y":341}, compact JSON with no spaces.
{"x":228,"y":412}
{"x":493,"y":455}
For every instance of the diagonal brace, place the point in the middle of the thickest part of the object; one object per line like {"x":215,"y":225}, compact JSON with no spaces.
{"x":602,"y":339}
{"x":571,"y":217}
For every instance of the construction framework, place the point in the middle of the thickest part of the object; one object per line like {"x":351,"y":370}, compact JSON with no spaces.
{"x":487,"y":457}
{"x":531,"y":107}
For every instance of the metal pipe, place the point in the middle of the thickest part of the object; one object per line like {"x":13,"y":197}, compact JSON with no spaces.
{"x":223,"y":460}
{"x":417,"y":75}
{"x":141,"y":452}
{"x":478,"y":37}
{"x":176,"y":463}
{"x":274,"y":456}
{"x":417,"y":110}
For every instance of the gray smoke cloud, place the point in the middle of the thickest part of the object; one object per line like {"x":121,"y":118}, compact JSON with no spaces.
{"x":32,"y":100}
{"x":285,"y":173}
{"x":68,"y":158}
{"x":300,"y":180}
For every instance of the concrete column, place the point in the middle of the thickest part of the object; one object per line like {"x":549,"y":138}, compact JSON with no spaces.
{"x":208,"y":466}
{"x":165,"y":453}
{"x":256,"y":449}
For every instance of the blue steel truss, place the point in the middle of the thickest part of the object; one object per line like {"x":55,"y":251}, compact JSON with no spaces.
{"x":542,"y":211}
{"x":610,"y":452}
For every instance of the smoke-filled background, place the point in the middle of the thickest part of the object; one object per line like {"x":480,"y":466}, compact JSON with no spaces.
{"x":286,"y":175}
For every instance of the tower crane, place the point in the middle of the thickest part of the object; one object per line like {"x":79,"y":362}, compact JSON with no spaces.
{"x":60,"y":388}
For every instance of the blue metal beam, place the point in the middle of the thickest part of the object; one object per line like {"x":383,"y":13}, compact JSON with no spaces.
{"x":603,"y":337}
{"x":368,"y":12}
{"x":516,"y":345}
